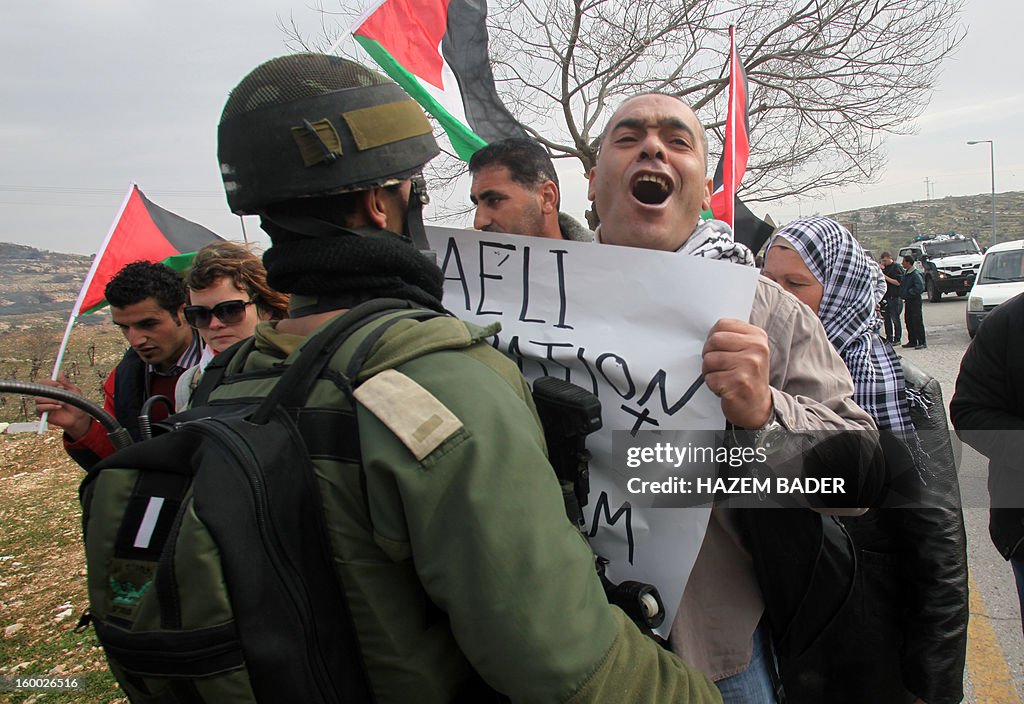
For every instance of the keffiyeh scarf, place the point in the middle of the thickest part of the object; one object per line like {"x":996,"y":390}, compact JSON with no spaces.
{"x":847,"y":312}
{"x":712,"y":239}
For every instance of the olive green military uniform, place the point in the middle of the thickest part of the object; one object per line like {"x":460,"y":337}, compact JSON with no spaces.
{"x":453,"y":547}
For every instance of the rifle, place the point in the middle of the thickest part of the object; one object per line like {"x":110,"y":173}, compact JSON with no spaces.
{"x":569,"y":413}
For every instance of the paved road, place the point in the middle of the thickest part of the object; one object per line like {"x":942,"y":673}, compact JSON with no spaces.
{"x":995,"y":649}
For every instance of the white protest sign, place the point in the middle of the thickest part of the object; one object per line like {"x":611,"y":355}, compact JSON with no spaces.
{"x":627,"y":324}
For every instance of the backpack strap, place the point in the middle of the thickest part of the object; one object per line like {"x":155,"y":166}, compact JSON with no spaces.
{"x":358,"y":358}
{"x":217,"y":368}
{"x":294,"y":385}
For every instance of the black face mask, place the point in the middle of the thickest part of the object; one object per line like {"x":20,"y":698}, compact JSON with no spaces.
{"x":351,"y":266}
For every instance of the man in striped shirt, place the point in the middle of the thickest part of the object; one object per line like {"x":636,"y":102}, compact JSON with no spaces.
{"x":146,"y":302}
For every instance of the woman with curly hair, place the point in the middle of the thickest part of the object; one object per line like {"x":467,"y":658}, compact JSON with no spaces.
{"x":228,"y":295}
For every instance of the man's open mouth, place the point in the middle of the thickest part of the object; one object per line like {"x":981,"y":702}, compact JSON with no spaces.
{"x":650,"y":189}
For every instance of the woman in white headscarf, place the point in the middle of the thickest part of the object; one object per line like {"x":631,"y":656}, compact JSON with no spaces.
{"x":903,"y":635}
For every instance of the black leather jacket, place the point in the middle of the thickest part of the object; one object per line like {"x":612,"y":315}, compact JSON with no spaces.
{"x":988,"y":413}
{"x":934,"y":651}
{"x":903,"y":631}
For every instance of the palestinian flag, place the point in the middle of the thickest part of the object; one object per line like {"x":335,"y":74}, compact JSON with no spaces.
{"x":437,"y":51}
{"x":747,"y":228}
{"x":736,"y":147}
{"x":141,"y":230}
{"x":750,"y":229}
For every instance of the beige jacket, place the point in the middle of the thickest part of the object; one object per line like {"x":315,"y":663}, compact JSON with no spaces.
{"x":811,"y":390}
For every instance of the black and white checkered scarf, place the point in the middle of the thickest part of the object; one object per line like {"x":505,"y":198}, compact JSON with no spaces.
{"x":712,"y":239}
{"x":847,"y":312}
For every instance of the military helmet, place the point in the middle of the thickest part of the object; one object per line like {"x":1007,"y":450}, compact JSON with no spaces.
{"x":311,"y":125}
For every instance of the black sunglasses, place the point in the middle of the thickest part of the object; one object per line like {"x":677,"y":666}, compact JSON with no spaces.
{"x":227,"y":312}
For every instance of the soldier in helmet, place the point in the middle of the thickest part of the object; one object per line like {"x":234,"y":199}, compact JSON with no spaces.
{"x":464,"y":579}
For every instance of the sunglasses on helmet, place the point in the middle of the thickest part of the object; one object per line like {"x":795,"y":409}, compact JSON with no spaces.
{"x":227,"y":312}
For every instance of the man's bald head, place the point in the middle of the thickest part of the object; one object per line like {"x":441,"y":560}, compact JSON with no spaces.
{"x":703,"y":134}
{"x":650,"y":182}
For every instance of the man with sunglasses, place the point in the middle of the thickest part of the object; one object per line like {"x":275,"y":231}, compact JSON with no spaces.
{"x":146,"y":303}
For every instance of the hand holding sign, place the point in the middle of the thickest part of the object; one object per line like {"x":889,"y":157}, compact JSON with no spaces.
{"x":628,"y":325}
{"x":735,"y":368}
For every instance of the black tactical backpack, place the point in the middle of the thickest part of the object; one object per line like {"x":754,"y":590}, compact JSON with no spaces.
{"x":209,"y":569}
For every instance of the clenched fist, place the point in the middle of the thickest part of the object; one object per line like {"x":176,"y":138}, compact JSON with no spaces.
{"x":736,"y":369}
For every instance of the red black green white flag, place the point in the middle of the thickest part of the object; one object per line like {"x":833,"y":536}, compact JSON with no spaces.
{"x":437,"y":51}
{"x":736,"y":145}
{"x":747,"y":228}
{"x":142,"y":230}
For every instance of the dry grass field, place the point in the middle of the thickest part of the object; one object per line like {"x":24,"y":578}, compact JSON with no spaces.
{"x":28,"y":355}
{"x":42,"y":569}
{"x":42,"y":574}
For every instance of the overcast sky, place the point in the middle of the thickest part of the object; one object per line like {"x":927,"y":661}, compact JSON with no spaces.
{"x":100,"y":93}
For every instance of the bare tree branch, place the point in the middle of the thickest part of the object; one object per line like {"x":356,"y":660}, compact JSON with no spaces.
{"x":829,"y":80}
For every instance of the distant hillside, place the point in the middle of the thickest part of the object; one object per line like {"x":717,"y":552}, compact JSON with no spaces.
{"x":892,"y":226}
{"x":38,"y":287}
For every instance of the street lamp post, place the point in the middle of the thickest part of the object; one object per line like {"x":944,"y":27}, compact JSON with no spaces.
{"x":992,"y":164}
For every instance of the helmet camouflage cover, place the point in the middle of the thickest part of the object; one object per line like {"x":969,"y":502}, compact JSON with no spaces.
{"x":311,"y":125}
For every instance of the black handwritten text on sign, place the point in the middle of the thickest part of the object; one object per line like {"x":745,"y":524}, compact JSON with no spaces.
{"x":503,"y":264}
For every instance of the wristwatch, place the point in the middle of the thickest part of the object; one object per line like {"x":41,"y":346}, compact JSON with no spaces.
{"x":769,"y":435}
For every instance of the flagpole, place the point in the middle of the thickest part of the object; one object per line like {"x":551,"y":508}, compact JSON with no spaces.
{"x":76,"y":309}
{"x":245,"y":237}
{"x":731,"y":132}
{"x":355,"y":25}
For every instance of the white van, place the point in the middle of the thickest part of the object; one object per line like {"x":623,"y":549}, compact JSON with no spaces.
{"x":1001,"y":278}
